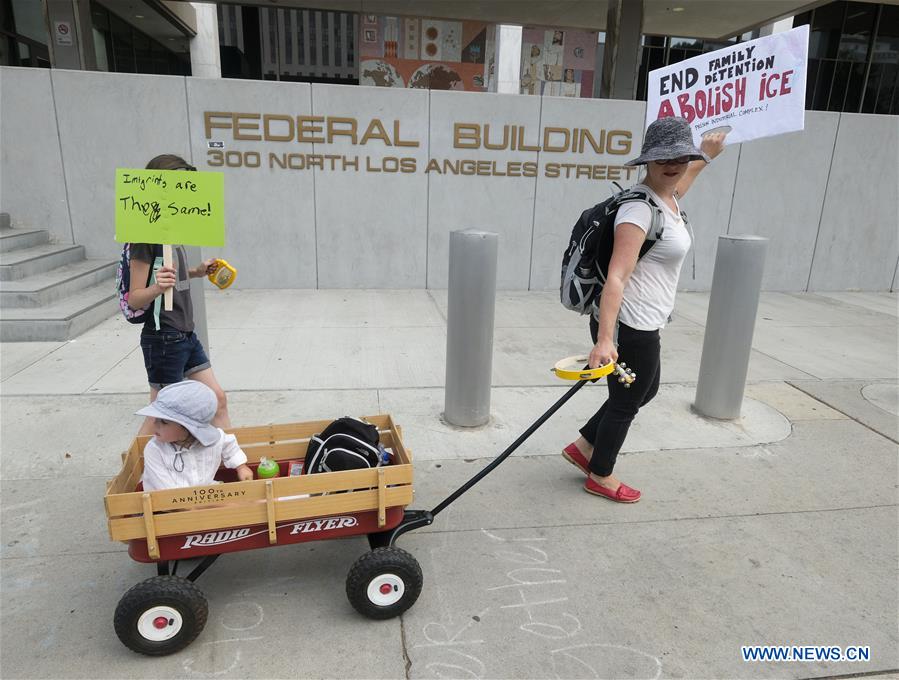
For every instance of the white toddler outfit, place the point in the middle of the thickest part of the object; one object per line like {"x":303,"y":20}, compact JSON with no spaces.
{"x":168,"y":466}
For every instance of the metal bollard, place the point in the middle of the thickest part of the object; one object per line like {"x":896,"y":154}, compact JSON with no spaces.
{"x":729,"y":325}
{"x":198,"y":299}
{"x":469,"y":327}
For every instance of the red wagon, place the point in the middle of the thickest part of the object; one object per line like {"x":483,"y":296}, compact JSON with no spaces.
{"x":165,"y":613}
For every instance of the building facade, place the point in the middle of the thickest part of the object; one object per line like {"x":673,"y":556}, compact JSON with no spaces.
{"x":853,"y":57}
{"x":266,"y":43}
{"x":853,"y":49}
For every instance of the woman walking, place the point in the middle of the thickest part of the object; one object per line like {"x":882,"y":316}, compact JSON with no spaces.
{"x":638,"y":297}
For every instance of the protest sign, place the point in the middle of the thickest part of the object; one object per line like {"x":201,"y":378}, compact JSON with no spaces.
{"x":170,"y":206}
{"x":751,"y":90}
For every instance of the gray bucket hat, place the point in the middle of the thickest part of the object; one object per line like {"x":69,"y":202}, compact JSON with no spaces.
{"x":668,"y":138}
{"x":191,"y":404}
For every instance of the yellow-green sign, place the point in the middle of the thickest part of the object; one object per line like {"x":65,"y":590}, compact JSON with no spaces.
{"x":170,"y":206}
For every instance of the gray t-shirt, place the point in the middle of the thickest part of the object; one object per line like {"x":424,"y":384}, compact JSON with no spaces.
{"x":181,"y":318}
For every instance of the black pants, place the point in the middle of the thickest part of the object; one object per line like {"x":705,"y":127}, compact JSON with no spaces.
{"x":608,"y":427}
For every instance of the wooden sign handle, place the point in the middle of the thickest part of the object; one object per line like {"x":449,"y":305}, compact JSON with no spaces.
{"x":167,"y":260}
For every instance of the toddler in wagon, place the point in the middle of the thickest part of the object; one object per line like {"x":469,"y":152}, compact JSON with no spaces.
{"x":186,"y":449}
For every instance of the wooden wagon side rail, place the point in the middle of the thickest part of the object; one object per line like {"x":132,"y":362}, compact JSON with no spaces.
{"x":193,"y":497}
{"x":294,"y":431}
{"x":243,"y":514}
{"x":150,"y":515}
{"x":284,"y":450}
{"x":132,"y":468}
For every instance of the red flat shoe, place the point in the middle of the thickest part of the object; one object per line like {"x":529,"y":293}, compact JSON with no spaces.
{"x":624,"y":494}
{"x":573,"y":455}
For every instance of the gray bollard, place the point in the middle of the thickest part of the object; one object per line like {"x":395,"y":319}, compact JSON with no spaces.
{"x":469,"y":327}
{"x":198,"y":298}
{"x":733,"y":304}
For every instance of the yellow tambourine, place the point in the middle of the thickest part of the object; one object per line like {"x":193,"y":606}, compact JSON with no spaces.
{"x":572,"y":368}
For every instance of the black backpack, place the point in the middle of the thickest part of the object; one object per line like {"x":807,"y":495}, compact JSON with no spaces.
{"x":346,"y":444}
{"x":585,"y":261}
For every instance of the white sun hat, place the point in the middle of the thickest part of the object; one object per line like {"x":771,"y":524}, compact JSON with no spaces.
{"x":191,"y":404}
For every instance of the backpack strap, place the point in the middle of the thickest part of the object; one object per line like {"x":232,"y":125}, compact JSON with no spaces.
{"x":157,"y":303}
{"x":657,"y":219}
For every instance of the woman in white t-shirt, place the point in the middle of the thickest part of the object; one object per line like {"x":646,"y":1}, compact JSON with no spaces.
{"x":638,"y":297}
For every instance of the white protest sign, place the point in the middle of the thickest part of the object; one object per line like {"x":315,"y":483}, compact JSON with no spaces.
{"x":755,"y":88}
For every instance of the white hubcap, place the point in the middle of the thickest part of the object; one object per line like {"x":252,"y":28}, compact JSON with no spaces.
{"x":386,"y":589}
{"x":159,"y":623}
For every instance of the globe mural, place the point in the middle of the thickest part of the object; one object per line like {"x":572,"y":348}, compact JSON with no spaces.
{"x":436,"y":77}
{"x":380,"y":74}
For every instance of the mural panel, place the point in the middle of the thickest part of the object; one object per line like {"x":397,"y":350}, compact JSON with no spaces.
{"x":429,"y":54}
{"x":558,"y":62}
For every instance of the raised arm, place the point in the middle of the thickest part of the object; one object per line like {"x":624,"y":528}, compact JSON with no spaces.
{"x":712,"y":144}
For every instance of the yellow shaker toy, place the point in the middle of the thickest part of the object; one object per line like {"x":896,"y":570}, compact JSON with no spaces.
{"x":222,"y":274}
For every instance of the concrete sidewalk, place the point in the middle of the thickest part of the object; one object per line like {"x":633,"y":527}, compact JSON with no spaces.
{"x":777,"y":529}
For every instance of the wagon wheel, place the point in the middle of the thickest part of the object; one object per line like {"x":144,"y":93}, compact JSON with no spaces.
{"x":161,"y":615}
{"x":384,"y":583}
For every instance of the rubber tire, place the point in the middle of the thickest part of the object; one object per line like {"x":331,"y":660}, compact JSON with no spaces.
{"x":375,"y":563}
{"x":172,"y":591}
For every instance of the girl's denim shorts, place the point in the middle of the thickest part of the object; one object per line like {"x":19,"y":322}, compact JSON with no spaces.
{"x":170,"y":356}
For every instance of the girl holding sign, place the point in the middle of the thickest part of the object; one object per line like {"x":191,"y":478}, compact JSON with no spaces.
{"x":172,"y":351}
{"x":638,"y":297}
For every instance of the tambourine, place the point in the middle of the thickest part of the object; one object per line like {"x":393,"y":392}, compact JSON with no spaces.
{"x":572,"y":368}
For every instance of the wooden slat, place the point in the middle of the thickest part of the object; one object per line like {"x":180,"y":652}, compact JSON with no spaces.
{"x":207,"y":519}
{"x":118,"y":483}
{"x":277,"y":451}
{"x":285,"y":450}
{"x":382,"y":489}
{"x":171,"y":499}
{"x":401,"y":453}
{"x":152,"y":545}
{"x":285,"y":432}
{"x":187,"y":497}
{"x":135,"y":471}
{"x":293,"y":431}
{"x":270,"y":512}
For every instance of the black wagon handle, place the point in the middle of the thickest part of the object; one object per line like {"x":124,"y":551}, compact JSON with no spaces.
{"x":511,"y":448}
{"x":415,"y":519}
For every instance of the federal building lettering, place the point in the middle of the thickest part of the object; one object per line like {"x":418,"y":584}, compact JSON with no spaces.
{"x":370,"y":137}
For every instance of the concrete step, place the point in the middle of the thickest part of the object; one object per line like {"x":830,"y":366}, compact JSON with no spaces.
{"x":63,"y":320}
{"x":16,"y":239}
{"x":18,"y":264}
{"x":49,"y":287}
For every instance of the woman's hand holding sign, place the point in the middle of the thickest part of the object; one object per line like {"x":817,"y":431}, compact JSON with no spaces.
{"x":713,"y":143}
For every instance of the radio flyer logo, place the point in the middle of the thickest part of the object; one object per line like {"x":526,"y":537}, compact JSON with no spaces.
{"x":305,"y":526}
{"x":217,"y":537}
{"x":325,"y":524}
